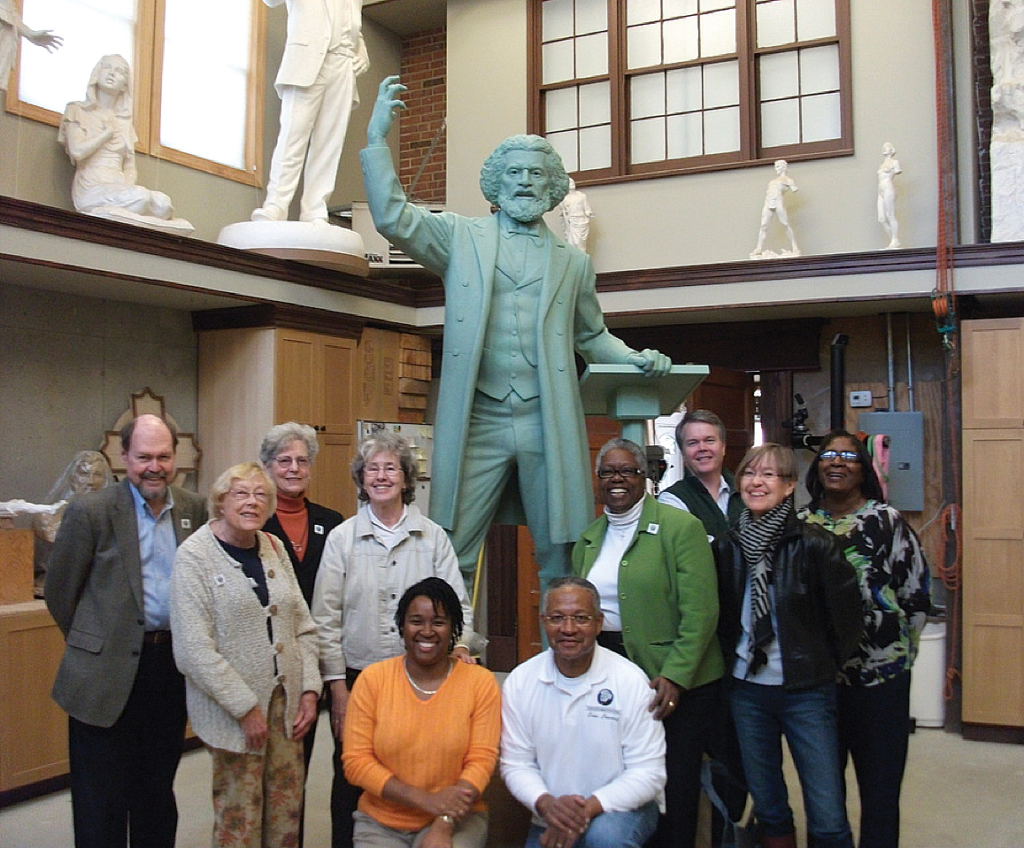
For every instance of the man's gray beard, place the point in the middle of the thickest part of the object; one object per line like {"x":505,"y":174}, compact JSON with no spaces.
{"x":526,"y":210}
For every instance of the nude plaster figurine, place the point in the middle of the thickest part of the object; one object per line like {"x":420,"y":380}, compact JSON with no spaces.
{"x":12,"y":27}
{"x":99,"y":136}
{"x":775,"y":204}
{"x":887,"y":172}
{"x":323,"y":55}
{"x":575,"y":214}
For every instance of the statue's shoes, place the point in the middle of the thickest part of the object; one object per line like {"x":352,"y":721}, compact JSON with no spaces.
{"x":268,"y":213}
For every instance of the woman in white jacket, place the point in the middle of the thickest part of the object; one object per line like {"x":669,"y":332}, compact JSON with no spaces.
{"x":245,"y":641}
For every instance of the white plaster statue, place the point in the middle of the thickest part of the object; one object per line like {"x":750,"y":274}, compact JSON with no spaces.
{"x":12,"y":27}
{"x":99,"y":136}
{"x":88,"y":471}
{"x":1006,"y":41}
{"x":887,"y":172}
{"x":775,"y":204}
{"x":323,"y":55}
{"x":575,"y":213}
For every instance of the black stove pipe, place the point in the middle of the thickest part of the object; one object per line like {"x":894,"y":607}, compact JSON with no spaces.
{"x":838,"y":381}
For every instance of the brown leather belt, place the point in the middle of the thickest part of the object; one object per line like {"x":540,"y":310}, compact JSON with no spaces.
{"x":156,"y":637}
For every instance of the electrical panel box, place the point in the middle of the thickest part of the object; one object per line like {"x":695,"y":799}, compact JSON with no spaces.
{"x":906,"y":454}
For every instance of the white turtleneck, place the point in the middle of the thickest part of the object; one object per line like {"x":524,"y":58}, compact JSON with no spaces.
{"x":605,"y":572}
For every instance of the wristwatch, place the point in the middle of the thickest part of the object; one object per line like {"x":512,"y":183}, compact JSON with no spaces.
{"x":447,"y":819}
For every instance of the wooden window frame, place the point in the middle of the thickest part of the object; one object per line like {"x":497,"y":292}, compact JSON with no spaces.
{"x":750,"y":154}
{"x":147,"y":65}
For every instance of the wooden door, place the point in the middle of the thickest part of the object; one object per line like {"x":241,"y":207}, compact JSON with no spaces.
{"x":993,"y":521}
{"x":993,"y":578}
{"x":298,"y":388}
{"x":730,"y":395}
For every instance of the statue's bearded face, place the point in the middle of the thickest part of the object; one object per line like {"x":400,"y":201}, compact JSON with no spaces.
{"x":524,"y":188}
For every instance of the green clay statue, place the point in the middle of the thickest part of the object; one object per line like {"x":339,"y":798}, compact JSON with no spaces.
{"x":509,"y":439}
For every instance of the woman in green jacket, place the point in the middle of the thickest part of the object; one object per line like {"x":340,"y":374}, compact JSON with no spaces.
{"x":656,"y":576}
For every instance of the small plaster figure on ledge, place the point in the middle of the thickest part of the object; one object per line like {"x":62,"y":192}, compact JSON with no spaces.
{"x":99,"y":136}
{"x":12,"y":27}
{"x":887,"y":172}
{"x":575,"y":213}
{"x":775,"y":204}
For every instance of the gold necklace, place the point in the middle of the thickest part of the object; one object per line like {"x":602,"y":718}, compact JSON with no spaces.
{"x":412,"y":683}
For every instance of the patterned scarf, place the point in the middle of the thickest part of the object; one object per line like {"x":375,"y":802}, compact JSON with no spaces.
{"x":758,"y":540}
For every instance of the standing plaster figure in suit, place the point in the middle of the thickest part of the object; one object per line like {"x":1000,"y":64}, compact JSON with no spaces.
{"x":509,"y":437}
{"x":107,"y":589}
{"x":323,"y":55}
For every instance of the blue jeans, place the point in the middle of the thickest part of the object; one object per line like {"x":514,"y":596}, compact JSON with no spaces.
{"x":629,"y":829}
{"x":807,"y":717}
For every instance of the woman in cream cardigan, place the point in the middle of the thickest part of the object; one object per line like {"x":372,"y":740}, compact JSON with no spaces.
{"x":245,"y":641}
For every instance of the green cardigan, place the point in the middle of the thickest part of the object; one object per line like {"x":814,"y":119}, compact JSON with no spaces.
{"x":668,"y":594}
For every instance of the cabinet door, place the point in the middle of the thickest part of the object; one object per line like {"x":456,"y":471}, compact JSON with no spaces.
{"x":337,"y":369}
{"x":33,"y":729}
{"x":297,"y":384}
{"x":993,"y":577}
{"x":993,"y":373}
{"x":332,"y":483}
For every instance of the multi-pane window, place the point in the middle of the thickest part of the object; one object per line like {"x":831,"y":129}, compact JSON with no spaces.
{"x":661,"y":86}
{"x":195,"y":68}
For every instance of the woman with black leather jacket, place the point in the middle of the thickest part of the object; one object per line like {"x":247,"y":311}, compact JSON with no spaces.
{"x":790,"y":615}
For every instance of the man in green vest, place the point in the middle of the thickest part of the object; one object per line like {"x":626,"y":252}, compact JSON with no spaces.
{"x":708,"y":492}
{"x":708,"y":489}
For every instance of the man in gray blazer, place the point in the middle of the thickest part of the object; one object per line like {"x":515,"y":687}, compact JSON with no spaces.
{"x":509,"y":440}
{"x":107,"y":589}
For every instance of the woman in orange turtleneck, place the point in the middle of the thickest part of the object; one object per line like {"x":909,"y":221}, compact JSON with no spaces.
{"x":287,"y":453}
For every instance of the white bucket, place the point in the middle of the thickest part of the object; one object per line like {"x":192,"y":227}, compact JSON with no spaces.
{"x":928,"y":680}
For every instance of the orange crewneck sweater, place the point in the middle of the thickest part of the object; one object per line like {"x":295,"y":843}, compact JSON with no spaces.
{"x":389,"y":732}
{"x":294,"y":518}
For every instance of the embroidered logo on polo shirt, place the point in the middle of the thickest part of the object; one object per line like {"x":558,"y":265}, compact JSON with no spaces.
{"x":605,"y":697}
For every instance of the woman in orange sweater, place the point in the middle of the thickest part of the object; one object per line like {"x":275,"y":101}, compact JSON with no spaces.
{"x":421,"y":733}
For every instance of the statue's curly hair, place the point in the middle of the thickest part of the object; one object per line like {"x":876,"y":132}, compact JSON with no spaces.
{"x":490,"y":173}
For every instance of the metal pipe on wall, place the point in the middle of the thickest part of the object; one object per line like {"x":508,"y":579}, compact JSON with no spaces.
{"x":891,"y":363}
{"x":838,"y":380}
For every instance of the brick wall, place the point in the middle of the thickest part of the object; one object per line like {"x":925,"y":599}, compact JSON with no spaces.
{"x":424,"y":71}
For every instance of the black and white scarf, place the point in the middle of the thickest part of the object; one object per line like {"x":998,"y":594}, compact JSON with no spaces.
{"x":758,"y":539}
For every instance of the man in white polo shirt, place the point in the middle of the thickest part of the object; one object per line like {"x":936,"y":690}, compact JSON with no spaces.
{"x":579,"y":745}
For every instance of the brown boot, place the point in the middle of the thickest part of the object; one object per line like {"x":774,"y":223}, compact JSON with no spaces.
{"x":787,"y":841}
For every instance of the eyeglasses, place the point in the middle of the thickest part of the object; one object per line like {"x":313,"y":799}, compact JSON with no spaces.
{"x":288,"y":461}
{"x":390,"y":470}
{"x":845,"y":456}
{"x":605,"y":473}
{"x":241,"y":495}
{"x":767,"y":476}
{"x":558,"y":619}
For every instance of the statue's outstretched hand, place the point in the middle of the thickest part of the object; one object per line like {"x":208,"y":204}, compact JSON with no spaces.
{"x":45,"y":38}
{"x":383,"y":109}
{"x":651,"y":362}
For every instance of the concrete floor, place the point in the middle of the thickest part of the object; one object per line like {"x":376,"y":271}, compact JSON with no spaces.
{"x":956,"y":794}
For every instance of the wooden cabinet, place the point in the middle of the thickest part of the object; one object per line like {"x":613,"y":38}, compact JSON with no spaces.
{"x":33,"y":729}
{"x":253,"y":378}
{"x":993,"y":521}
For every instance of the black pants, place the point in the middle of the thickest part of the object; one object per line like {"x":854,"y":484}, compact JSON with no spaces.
{"x":344,"y":796}
{"x":874,"y":729}
{"x":122,"y":777}
{"x":689,"y":729}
